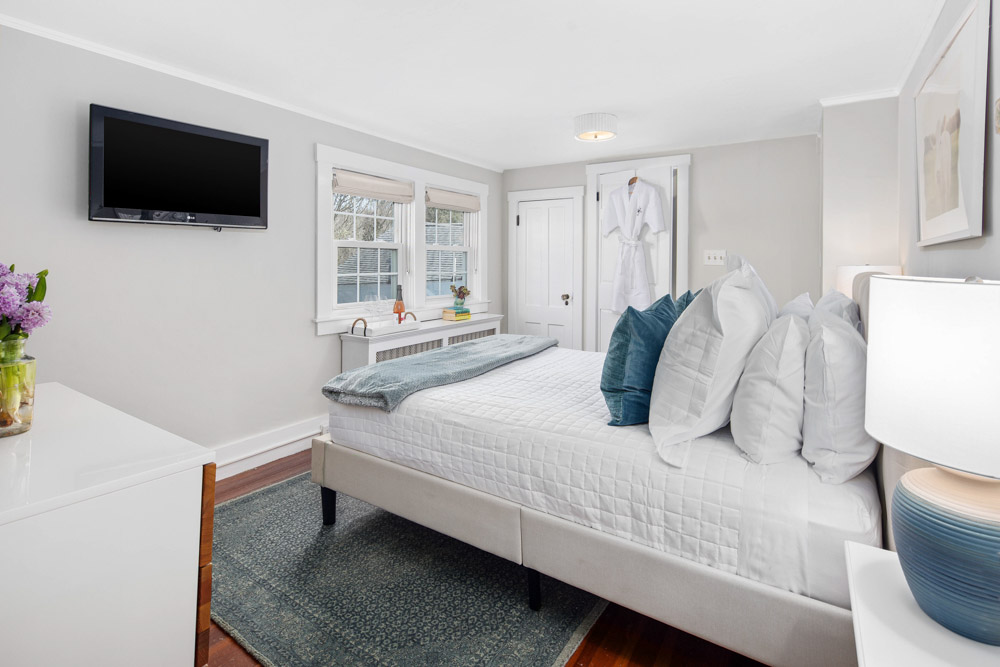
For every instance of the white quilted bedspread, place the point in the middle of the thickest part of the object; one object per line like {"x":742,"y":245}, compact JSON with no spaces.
{"x":535,"y":432}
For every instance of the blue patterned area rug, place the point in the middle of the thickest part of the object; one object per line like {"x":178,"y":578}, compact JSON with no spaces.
{"x":375,"y":589}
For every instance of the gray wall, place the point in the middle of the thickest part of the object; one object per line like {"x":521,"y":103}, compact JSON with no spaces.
{"x":208,"y":335}
{"x":761,"y":199}
{"x":860,"y":185}
{"x":978,"y":256}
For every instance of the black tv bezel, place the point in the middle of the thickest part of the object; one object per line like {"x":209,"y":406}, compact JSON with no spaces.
{"x":99,"y":212}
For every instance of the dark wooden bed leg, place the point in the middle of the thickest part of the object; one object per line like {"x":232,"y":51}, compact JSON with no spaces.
{"x":534,"y":589}
{"x":329,"y":506}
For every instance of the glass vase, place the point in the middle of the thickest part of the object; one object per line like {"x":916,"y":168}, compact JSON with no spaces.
{"x":17,"y":387}
{"x":459,"y":303}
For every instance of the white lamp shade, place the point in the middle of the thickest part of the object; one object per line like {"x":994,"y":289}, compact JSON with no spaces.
{"x":846,"y":275}
{"x":595,"y":127}
{"x":933,"y":387}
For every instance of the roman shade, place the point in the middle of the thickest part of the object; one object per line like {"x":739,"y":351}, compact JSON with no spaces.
{"x":454,"y":201}
{"x":373,"y":187}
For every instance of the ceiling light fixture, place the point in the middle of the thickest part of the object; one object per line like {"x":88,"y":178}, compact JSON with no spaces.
{"x":595,"y":127}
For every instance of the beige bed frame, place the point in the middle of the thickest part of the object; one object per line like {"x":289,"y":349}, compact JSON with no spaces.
{"x":768,"y":624}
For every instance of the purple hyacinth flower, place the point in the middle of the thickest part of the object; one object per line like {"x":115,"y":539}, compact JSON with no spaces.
{"x":10,"y":300}
{"x":32,"y":315}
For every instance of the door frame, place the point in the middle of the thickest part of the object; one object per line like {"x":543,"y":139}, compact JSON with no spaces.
{"x":514,"y":200}
{"x":681,"y":165}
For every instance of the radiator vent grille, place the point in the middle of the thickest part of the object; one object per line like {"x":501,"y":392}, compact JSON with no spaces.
{"x":471,"y":336}
{"x":406,"y":350}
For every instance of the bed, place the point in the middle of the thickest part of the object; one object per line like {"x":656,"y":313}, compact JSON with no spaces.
{"x":521,"y":463}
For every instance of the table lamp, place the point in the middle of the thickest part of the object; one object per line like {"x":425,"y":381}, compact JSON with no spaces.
{"x":933,"y":391}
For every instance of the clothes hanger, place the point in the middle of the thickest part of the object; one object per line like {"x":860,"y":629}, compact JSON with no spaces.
{"x":632,"y":181}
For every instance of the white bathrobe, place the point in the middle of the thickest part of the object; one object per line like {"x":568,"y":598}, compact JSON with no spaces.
{"x":629,"y":212}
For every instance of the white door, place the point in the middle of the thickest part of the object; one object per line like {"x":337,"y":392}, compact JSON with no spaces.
{"x":546,"y":237}
{"x":658,"y":248}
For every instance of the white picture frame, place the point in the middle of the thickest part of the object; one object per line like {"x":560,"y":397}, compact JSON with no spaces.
{"x":950,"y":108}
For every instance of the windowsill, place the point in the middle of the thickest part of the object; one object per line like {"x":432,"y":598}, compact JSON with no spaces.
{"x":341,"y":323}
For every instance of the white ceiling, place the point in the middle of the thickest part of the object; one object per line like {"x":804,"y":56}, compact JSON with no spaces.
{"x":498,"y":83}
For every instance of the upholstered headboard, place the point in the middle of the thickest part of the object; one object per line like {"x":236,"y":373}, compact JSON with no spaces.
{"x":890,"y":464}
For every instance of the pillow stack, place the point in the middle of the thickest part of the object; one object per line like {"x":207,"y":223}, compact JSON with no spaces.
{"x":804,"y":390}
{"x":703,"y":358}
{"x":790,"y":382}
{"x":631,"y":360}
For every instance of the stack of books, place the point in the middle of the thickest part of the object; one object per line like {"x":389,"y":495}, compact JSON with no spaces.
{"x":455,"y":314}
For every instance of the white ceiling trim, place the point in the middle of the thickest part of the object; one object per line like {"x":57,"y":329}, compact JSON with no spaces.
{"x":925,"y":35}
{"x":187,"y":75}
{"x":860,"y":97}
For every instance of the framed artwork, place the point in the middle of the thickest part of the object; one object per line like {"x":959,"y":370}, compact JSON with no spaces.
{"x":951,"y":109}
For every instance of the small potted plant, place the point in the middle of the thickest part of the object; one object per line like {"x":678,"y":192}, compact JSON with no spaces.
{"x":21,"y":312}
{"x":461,"y":294}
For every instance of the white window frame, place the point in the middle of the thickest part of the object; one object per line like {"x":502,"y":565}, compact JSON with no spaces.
{"x":466,"y":247}
{"x":400,"y":214}
{"x":332,"y":318}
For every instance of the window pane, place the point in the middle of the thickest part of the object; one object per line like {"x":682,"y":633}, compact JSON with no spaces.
{"x":432,"y":287}
{"x":457,"y":228}
{"x":343,"y":227}
{"x":347,"y":289}
{"x":347,"y":260}
{"x":369,"y":260}
{"x":366,"y":206}
{"x":433,"y":262}
{"x":366,"y":228}
{"x":387,"y":286}
{"x":343,"y":203}
{"x":384,"y":208}
{"x":460,"y":261}
{"x":429,"y":214}
{"x":368,"y":288}
{"x":387,"y":261}
{"x":430,"y":231}
{"x":385,"y":230}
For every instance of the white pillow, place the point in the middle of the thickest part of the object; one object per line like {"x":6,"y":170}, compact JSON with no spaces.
{"x":833,"y":430}
{"x":739,"y":263}
{"x":702,"y":360}
{"x":843,"y":307}
{"x":768,"y":407}
{"x":802,"y":305}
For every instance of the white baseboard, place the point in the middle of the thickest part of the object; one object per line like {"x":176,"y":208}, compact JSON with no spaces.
{"x":235,"y":457}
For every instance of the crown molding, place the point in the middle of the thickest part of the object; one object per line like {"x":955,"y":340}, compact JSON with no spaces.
{"x":859,"y":97}
{"x":180,"y":73}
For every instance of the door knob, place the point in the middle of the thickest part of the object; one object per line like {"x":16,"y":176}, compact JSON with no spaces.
{"x":565,"y":298}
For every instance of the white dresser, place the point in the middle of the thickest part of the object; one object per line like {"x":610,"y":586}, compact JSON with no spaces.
{"x":104,"y":553}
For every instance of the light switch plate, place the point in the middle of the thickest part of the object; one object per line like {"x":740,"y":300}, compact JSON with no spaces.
{"x":715,"y":258}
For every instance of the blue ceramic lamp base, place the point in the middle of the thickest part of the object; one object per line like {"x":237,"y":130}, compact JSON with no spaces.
{"x":947,"y":530}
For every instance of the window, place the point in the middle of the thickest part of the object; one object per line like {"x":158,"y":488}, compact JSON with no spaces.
{"x":381,"y":225}
{"x":446,"y":236}
{"x":366,"y":234}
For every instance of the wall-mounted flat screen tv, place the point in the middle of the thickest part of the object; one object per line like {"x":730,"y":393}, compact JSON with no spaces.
{"x":148,"y":169}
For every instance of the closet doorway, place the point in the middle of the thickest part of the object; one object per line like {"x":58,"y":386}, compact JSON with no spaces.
{"x":666,"y":252}
{"x":545,"y":264}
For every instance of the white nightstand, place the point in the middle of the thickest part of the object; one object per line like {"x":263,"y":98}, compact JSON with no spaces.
{"x":890,"y":628}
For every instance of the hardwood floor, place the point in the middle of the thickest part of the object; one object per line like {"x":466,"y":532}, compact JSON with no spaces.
{"x":620,"y":638}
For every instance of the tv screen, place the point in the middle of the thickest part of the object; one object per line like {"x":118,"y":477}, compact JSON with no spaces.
{"x":147,"y":169}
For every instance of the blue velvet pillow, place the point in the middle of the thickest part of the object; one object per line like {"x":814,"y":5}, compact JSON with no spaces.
{"x":633,"y":352}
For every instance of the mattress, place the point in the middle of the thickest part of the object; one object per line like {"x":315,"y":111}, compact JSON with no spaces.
{"x":535,"y":432}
